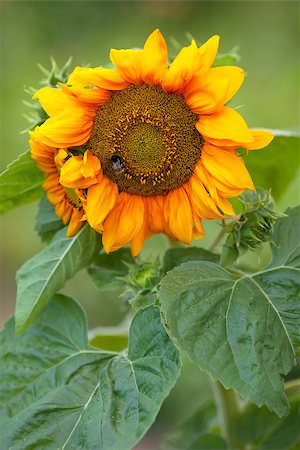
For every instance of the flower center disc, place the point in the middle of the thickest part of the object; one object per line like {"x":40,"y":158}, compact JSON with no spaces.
{"x":146,"y":140}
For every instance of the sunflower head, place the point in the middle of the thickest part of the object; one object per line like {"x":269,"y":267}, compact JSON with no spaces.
{"x":146,"y":146}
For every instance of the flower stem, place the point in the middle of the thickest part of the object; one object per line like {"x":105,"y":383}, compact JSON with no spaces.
{"x":228,"y":411}
{"x":218,"y":239}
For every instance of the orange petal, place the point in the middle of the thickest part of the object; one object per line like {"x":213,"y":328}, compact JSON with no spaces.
{"x":209,"y":183}
{"x":182,"y":69}
{"x":75,"y":223}
{"x":262,"y":138}
{"x":124,"y":222}
{"x":101,"y":198}
{"x":137,"y":242}
{"x":101,"y":77}
{"x":155,"y":212}
{"x":178,"y":215}
{"x":208,"y":51}
{"x":225,"y":124}
{"x":198,"y":230}
{"x":91,"y":165}
{"x":80,"y":172}
{"x":129,"y":63}
{"x":62,"y":209}
{"x":202,"y":204}
{"x":227,"y":169}
{"x":42,"y":154}
{"x":60,"y":157}
{"x":154,"y":58}
{"x":68,"y":128}
{"x":54,"y":100}
{"x":206,"y":93}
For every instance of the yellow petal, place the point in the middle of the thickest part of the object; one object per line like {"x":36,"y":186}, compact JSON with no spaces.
{"x":225,"y":124}
{"x":80,"y":172}
{"x":178,"y":215}
{"x":54,"y":100}
{"x":68,"y":128}
{"x":208,"y":51}
{"x":227,"y":169}
{"x":93,"y":96}
{"x":182,"y":69}
{"x":101,"y":198}
{"x":101,"y":77}
{"x":208,"y":92}
{"x":262,"y":138}
{"x":154,"y":59}
{"x":124,"y":222}
{"x":128,"y":62}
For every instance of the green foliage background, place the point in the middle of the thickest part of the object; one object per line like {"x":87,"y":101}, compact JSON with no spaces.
{"x":268,"y":35}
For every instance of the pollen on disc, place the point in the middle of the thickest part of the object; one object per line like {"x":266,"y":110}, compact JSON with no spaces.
{"x":146,"y":140}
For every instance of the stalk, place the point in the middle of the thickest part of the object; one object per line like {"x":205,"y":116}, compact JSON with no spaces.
{"x":228,"y":411}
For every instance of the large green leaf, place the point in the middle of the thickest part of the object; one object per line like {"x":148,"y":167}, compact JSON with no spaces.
{"x":240,"y":329}
{"x":277,"y":165}
{"x":57,"y":391}
{"x":175,"y":256}
{"x":198,"y":432}
{"x":107,"y":269}
{"x":47,"y":222}
{"x":20,"y":183}
{"x":43,"y":275}
{"x":263,"y":430}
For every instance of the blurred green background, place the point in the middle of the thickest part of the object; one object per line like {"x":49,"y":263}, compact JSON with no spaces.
{"x":268,"y":35}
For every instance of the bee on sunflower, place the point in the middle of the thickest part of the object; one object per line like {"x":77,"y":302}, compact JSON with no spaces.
{"x":145,"y":147}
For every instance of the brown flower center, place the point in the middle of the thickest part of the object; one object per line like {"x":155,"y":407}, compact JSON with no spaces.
{"x":146,"y":140}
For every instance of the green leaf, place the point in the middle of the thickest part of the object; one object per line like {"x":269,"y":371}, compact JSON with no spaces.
{"x":107,"y":268}
{"x":43,"y":275}
{"x":239,"y":329}
{"x":20,"y":183}
{"x":176,"y":256}
{"x":263,"y":430}
{"x":285,"y":242}
{"x":276,"y":166}
{"x":57,"y":391}
{"x":196,"y":433}
{"x":47,"y":222}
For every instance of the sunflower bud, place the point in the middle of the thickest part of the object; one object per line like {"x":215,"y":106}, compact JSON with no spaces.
{"x":254,"y":226}
{"x":141,"y":282}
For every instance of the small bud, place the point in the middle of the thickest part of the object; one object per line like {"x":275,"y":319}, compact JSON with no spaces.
{"x":254,"y":226}
{"x":141,"y":282}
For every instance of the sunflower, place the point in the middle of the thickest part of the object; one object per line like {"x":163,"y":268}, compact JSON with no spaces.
{"x":150,"y":146}
{"x":68,"y":202}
